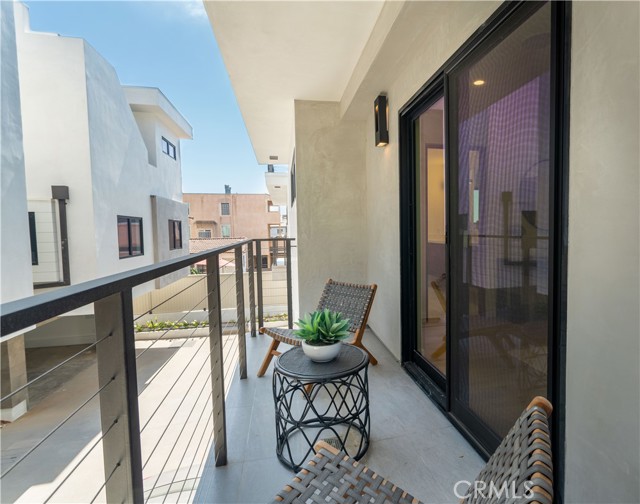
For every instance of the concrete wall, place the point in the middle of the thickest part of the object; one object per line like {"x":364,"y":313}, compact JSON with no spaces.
{"x":603,"y":326}
{"x":331,"y":199}
{"x":249,"y":214}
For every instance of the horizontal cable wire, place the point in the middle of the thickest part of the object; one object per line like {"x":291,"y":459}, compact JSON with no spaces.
{"x":105,"y":483}
{"x":186,"y":449}
{"x":150,"y":310}
{"x":207,"y":381}
{"x":98,"y":441}
{"x":205,"y":453}
{"x":180,"y":435}
{"x":89,"y":347}
{"x":57,"y":427}
{"x":167,"y":331}
{"x":175,"y":382}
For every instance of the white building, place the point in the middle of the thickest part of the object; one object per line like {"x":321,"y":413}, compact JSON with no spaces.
{"x":15,"y":272}
{"x":96,"y":167}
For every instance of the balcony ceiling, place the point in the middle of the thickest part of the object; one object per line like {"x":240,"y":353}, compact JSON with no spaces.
{"x":278,"y":52}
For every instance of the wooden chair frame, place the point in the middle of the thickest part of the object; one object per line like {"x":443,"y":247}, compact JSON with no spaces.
{"x":357,"y":340}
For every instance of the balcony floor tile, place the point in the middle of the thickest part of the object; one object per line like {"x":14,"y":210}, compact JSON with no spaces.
{"x":412,"y":442}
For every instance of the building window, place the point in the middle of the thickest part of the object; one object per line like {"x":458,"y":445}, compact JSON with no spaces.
{"x":226,"y":230}
{"x":168,"y":148}
{"x":265,"y":262}
{"x":175,"y":234}
{"x":204,"y":233}
{"x":130,"y":236}
{"x":33,"y":238}
{"x":224,"y":209}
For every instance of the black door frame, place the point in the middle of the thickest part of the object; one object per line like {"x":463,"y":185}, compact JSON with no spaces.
{"x":508,"y":14}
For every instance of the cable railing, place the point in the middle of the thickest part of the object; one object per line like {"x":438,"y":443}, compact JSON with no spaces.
{"x":140,"y":422}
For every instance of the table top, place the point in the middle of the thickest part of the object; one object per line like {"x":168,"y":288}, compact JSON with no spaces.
{"x":296,"y":364}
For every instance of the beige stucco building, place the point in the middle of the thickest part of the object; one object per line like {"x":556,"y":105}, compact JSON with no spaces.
{"x":231,"y":215}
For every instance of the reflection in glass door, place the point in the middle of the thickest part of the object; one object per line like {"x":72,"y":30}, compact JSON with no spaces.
{"x":500,"y":134}
{"x":430,"y":167}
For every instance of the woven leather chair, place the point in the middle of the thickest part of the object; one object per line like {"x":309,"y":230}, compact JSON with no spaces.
{"x":352,"y":300}
{"x":522,"y":461}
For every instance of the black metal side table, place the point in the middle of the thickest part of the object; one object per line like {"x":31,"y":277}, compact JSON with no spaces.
{"x":321,"y":401}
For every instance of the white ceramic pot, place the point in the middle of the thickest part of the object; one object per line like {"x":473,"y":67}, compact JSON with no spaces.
{"x":321,"y":353}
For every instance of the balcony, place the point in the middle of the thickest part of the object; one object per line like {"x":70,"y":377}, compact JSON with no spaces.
{"x":177,"y":414}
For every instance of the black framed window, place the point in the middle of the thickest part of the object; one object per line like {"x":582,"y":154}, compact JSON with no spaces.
{"x":33,"y":238}
{"x":168,"y":148}
{"x":225,"y":209}
{"x":130,"y":241}
{"x":265,"y":262}
{"x":175,"y":234}
{"x":204,"y":233}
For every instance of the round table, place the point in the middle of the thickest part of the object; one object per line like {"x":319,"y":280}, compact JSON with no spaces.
{"x":321,"y":401}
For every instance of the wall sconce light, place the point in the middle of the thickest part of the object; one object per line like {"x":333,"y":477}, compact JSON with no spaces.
{"x":381,"y":111}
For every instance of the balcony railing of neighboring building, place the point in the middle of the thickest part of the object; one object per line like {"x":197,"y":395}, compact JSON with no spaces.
{"x":140,"y":421}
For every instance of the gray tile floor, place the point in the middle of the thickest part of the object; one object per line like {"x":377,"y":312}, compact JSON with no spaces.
{"x":412,"y":443}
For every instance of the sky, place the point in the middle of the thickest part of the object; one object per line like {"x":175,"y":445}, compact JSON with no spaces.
{"x":169,"y":45}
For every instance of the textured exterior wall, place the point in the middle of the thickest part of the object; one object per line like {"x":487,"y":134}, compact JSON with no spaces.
{"x":15,"y":254}
{"x":603,"y":325}
{"x":331,"y":188}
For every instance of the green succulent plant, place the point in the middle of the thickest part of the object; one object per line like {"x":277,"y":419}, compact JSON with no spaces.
{"x":322,"y":327}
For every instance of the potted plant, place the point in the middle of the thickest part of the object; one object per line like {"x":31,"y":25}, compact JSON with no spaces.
{"x":321,"y":332}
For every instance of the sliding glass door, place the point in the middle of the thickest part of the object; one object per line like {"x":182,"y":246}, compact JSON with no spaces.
{"x":478,"y":171}
{"x":500,"y":134}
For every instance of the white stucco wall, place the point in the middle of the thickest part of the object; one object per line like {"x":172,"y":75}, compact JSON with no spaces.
{"x":56,"y":134}
{"x":330,"y":175}
{"x":603,"y":325}
{"x":80,"y":132}
{"x":15,"y":250}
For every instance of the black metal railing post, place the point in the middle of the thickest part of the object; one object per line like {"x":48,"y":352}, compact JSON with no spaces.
{"x":217,"y":365}
{"x":260,"y":293}
{"x":252,"y":290}
{"x":116,"y":356}
{"x":289,"y":293}
{"x":240,"y":319}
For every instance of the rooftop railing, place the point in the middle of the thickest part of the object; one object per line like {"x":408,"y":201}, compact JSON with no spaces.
{"x":140,"y":419}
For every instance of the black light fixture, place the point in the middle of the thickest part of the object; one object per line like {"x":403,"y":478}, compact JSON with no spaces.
{"x":382,"y":128}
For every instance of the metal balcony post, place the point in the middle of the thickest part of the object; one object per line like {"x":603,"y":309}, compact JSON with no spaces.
{"x":217,"y":364}
{"x":289,"y":293}
{"x":252,"y":290}
{"x":260,"y":300}
{"x":242,"y":329}
{"x":116,"y":358}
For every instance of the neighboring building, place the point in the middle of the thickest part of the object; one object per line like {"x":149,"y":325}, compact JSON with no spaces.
{"x":505,"y":248}
{"x":16,"y":280}
{"x":104,"y":191}
{"x":231,"y":215}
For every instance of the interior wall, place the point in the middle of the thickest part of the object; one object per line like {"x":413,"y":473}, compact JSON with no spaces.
{"x":603,"y":326}
{"x":331,"y":188}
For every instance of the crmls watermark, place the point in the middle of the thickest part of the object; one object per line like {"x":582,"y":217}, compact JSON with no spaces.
{"x":480,"y":489}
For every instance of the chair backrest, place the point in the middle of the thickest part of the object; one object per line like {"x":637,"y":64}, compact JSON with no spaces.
{"x":521,"y":464}
{"x":352,"y":300}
